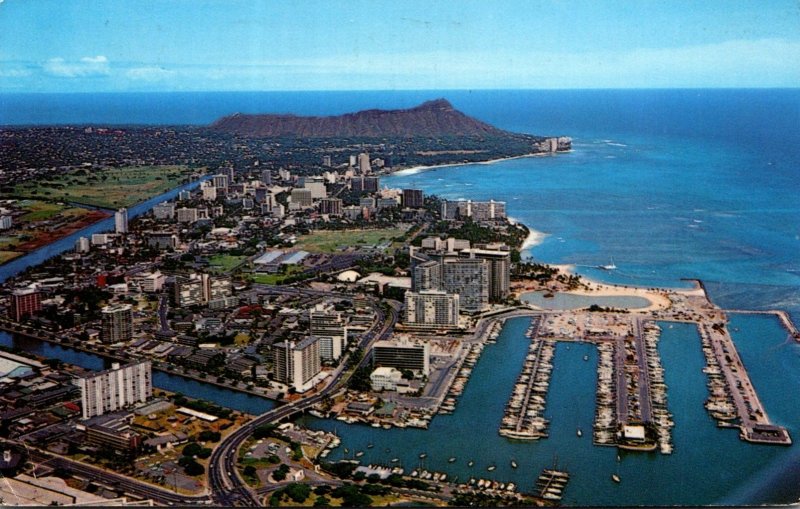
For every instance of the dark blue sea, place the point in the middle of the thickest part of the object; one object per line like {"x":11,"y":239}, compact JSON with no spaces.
{"x":667,"y":184}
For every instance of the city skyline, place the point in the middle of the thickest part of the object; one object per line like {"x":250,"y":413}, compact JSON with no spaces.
{"x":236,"y":46}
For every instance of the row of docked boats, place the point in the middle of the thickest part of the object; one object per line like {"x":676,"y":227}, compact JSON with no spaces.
{"x":660,"y":415}
{"x":462,"y":377}
{"x":551,"y":483}
{"x":605,"y":419}
{"x":720,"y":401}
{"x":488,"y":484}
{"x":523,"y":417}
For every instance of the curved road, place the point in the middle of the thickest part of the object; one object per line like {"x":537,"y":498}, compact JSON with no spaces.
{"x":227,"y":487}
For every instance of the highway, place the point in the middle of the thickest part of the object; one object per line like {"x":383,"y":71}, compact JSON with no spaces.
{"x":227,"y":487}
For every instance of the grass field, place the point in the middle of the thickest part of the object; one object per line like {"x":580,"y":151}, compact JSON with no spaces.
{"x":110,"y":188}
{"x":42,"y":211}
{"x":224,"y":262}
{"x":7,"y":256}
{"x":329,"y":241}
{"x":274,"y":279}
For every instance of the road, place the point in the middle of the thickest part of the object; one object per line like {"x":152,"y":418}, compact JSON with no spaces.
{"x":227,"y":487}
{"x":114,"y":481}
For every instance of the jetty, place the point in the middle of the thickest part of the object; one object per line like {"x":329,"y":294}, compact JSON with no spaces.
{"x":732,"y":395}
{"x":523,"y":417}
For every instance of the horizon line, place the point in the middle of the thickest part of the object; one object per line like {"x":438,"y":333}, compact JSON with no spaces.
{"x":566,"y":89}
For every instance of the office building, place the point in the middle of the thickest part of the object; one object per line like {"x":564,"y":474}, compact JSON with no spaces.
{"x":117,"y":323}
{"x":365,"y":184}
{"x":150,"y":282}
{"x":469,"y":278}
{"x":266,"y":177}
{"x":162,"y":240}
{"x":316,"y":186}
{"x":402,"y":354}
{"x":82,"y":245}
{"x":413,"y":198}
{"x":184,"y":195}
{"x":363,"y":164}
{"x":164,"y":210}
{"x":330,"y":327}
{"x":326,"y":161}
{"x":186,"y":215}
{"x":114,"y":389}
{"x":190,"y":291}
{"x":121,"y":221}
{"x":24,"y":303}
{"x":301,"y":198}
{"x":220,"y":181}
{"x":101,"y":239}
{"x":6,"y":222}
{"x":297,"y":364}
{"x":385,"y":203}
{"x":330,"y":206}
{"x":209,"y":191}
{"x":433,"y":309}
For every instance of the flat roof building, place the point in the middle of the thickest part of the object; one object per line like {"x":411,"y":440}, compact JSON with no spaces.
{"x":116,"y":388}
{"x":402,"y":354}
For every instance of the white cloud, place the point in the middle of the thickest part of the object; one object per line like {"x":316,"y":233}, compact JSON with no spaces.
{"x":14,"y":73}
{"x":85,"y":67}
{"x":149,"y":73}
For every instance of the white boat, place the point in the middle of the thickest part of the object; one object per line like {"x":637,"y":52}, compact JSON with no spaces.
{"x":579,"y":432}
{"x":491,"y":468}
{"x":513,"y":464}
{"x":359,"y":454}
{"x":470,"y":463}
{"x":615,"y":478}
{"x":452,"y":459}
{"x":610,"y":266}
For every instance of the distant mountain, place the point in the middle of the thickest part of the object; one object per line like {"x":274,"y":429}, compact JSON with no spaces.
{"x":430,"y":119}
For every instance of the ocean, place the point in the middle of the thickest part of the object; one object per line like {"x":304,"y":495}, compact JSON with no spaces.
{"x":667,"y":184}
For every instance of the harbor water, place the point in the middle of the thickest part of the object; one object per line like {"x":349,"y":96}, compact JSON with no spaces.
{"x":689,"y":476}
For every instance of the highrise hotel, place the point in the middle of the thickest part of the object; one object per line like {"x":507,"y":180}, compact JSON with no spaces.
{"x":116,"y":388}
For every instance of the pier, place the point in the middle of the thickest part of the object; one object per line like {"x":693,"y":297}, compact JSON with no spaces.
{"x":732,"y":391}
{"x":523,"y":417}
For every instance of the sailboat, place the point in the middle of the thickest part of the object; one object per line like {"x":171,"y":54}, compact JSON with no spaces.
{"x":610,"y":266}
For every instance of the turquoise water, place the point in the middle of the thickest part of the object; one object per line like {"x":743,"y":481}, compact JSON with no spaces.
{"x":561,"y":300}
{"x":670,"y":184}
{"x":709,"y":465}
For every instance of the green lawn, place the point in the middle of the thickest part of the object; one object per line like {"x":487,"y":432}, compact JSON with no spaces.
{"x":109,"y":188}
{"x":329,"y":241}
{"x":224,"y":262}
{"x":274,"y":279}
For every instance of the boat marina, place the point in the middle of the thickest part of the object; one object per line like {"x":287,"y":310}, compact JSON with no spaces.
{"x":523,"y":417}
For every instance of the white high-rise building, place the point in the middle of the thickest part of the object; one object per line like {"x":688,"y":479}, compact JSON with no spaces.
{"x":363,"y":163}
{"x":329,"y":326}
{"x":121,"y":221}
{"x":82,"y":245}
{"x":297,"y":364}
{"x":117,"y":324}
{"x":115,"y":388}
{"x":431,"y":308}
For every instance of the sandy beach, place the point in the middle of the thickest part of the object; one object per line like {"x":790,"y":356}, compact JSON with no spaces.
{"x":419,"y":169}
{"x":658,"y":297}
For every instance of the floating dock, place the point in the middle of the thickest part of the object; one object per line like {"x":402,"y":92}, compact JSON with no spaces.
{"x":551,"y":483}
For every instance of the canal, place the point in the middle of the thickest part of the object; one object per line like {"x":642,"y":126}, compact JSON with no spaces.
{"x":192,"y":388}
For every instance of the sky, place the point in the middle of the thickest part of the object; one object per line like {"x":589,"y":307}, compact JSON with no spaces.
{"x":251,"y":45}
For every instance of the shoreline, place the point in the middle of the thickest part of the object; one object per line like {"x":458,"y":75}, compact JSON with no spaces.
{"x":413,"y":170}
